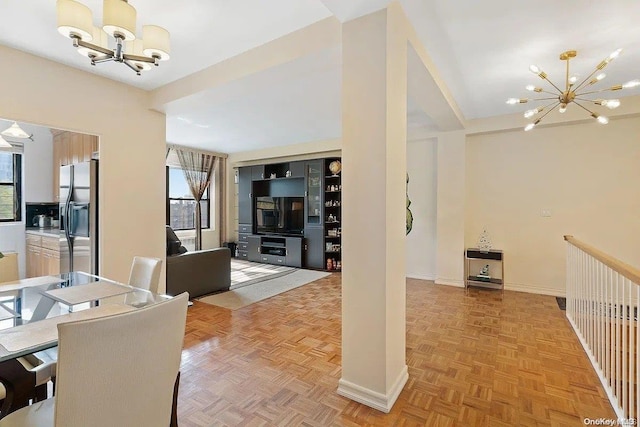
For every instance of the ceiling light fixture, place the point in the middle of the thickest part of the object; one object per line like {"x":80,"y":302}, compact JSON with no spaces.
{"x":118,"y":21}
{"x":4,"y":143}
{"x":572,"y":93}
{"x":15,"y":131}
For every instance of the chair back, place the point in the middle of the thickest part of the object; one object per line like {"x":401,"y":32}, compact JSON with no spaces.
{"x":120,"y":370}
{"x":145,"y":273}
{"x":9,"y":267}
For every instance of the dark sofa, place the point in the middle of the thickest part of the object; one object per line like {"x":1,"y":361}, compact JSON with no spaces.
{"x":199,"y":272}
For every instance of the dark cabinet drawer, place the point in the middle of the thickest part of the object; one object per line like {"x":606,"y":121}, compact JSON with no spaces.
{"x":242,"y":254}
{"x":243,"y":237}
{"x":244,"y":228}
{"x":477,"y":253}
{"x":272,"y":259}
{"x":243,"y":246}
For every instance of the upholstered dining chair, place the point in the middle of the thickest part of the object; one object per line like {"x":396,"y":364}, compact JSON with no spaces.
{"x":27,"y":376}
{"x":118,"y":370}
{"x":145,"y":273}
{"x":24,"y":379}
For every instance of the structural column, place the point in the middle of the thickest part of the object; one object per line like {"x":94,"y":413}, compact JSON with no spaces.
{"x":374,"y":102}
{"x":450,"y":208}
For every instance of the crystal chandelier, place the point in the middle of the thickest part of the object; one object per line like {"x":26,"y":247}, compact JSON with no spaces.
{"x":118,"y":21}
{"x":573,"y":92}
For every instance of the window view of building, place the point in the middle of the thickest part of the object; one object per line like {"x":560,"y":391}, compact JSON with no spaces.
{"x":10,"y":186}
{"x":181,"y":206}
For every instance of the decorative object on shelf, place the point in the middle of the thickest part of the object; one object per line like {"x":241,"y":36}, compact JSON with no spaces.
{"x":75,"y":21}
{"x":287,"y":174}
{"x":272,"y":176}
{"x":484,"y":272}
{"x":329,"y":264}
{"x":15,"y":131}
{"x":335,"y":167}
{"x":572,"y":92}
{"x":409,"y":214}
{"x":484,"y":242}
{"x":338,"y":265}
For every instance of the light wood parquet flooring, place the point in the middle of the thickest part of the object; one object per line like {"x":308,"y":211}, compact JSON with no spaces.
{"x":476,"y":358}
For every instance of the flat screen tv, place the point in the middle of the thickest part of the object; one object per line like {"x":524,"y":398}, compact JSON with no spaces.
{"x":279,"y":215}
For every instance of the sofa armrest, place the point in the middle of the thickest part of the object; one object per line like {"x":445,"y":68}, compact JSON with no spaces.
{"x":199,"y":273}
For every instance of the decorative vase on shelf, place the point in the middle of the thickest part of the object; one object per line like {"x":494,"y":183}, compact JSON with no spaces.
{"x":484,"y":242}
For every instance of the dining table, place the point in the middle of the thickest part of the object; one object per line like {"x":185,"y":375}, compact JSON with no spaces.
{"x":31,"y":310}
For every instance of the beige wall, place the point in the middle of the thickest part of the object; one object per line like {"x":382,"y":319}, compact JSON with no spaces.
{"x":421,"y":242}
{"x":450,"y":208}
{"x":586,"y":175}
{"x":132,"y":147}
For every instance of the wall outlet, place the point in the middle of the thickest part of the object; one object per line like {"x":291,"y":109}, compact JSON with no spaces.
{"x":545,"y":213}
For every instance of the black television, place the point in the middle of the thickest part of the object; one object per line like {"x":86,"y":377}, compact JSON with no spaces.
{"x":279,"y":215}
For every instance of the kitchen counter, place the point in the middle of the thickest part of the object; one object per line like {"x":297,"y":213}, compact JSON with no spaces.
{"x":45,"y":231}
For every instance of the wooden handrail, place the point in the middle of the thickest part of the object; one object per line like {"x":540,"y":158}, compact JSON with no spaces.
{"x":624,"y":269}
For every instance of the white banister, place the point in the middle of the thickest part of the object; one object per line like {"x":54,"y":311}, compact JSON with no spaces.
{"x":602,"y":307}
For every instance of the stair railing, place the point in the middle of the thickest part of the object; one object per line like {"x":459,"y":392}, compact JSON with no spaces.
{"x":602,"y":307}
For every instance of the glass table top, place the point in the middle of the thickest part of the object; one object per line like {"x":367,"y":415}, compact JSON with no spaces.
{"x":31,"y":309}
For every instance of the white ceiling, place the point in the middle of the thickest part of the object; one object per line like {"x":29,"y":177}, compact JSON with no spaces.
{"x":482,"y":51}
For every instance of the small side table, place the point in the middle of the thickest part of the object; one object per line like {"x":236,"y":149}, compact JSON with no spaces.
{"x":473,"y":257}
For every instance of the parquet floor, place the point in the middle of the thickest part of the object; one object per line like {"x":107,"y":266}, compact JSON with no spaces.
{"x":476,"y":358}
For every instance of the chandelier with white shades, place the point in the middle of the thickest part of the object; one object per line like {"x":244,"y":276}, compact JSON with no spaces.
{"x":75,"y":21}
{"x":572,"y":92}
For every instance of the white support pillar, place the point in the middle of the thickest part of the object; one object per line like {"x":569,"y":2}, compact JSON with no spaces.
{"x":450,"y":208}
{"x":374,"y":79}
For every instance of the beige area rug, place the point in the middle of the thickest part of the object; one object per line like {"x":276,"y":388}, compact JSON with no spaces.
{"x":246,"y":295}
{"x":244,"y":273}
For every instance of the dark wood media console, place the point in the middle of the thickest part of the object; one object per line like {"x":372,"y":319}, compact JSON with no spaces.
{"x":267,"y":227}
{"x":275,"y":250}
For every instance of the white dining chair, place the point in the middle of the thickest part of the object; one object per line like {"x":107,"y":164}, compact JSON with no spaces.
{"x":118,"y":370}
{"x":23,"y":380}
{"x":145,"y":273}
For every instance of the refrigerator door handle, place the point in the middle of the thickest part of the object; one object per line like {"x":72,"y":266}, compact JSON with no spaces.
{"x":67,"y":219}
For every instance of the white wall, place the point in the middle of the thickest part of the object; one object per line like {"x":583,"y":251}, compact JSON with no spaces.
{"x":421,"y":242}
{"x":586,"y":175}
{"x":37,"y":166}
{"x":132,"y":148}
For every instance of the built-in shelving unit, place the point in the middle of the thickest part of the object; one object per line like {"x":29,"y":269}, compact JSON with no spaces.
{"x":314,"y":204}
{"x":332,"y":217}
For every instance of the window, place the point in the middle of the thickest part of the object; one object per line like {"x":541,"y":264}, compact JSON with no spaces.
{"x":10,"y":187}
{"x":181,"y":206}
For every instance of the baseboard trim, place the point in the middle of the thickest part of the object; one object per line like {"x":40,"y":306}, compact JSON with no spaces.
{"x":450,"y":282}
{"x":420,"y":276}
{"x":533,"y":289}
{"x":371,"y":398}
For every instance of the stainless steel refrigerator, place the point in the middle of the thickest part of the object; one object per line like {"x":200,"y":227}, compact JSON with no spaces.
{"x":79,"y":217}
